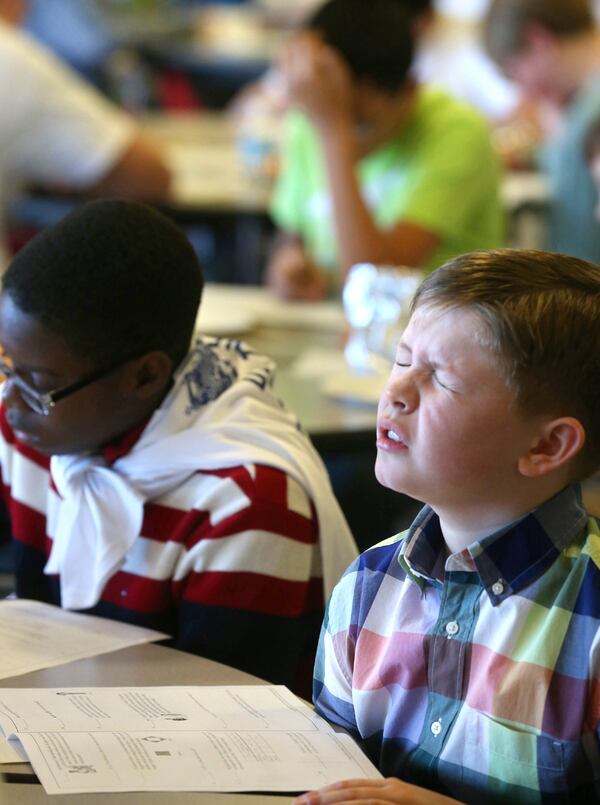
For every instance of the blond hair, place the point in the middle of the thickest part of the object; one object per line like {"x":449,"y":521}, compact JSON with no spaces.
{"x":541,"y":317}
{"x":507,"y":21}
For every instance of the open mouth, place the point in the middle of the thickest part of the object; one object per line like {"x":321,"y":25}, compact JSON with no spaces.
{"x":388,"y":438}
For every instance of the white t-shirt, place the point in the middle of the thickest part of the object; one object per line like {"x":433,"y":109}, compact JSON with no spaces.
{"x":54,"y":128}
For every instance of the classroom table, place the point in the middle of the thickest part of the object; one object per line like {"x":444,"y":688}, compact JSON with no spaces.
{"x":203,"y":152}
{"x":286,"y":331}
{"x":206,"y":156}
{"x":212,"y":191}
{"x":214,"y":187}
{"x":148,"y":664}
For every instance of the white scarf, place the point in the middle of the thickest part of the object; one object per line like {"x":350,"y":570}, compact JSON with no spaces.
{"x":220,"y":413}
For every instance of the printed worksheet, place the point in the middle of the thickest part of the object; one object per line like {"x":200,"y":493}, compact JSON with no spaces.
{"x":182,"y":708}
{"x":229,"y":738}
{"x":35,"y":636}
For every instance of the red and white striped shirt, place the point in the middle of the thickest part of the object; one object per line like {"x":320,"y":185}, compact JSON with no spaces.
{"x":228,"y":563}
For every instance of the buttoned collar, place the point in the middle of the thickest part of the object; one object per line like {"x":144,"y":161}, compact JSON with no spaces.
{"x":506,"y":560}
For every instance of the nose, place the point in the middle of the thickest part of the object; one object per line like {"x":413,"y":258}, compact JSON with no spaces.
{"x":402,"y":391}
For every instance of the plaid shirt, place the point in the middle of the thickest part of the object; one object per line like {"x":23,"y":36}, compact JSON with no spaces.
{"x":484,"y":686}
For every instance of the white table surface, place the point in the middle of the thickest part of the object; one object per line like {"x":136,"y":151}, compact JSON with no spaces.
{"x":148,"y":664}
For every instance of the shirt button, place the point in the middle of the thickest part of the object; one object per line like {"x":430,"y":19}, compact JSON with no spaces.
{"x":452,"y":628}
{"x":436,"y":727}
{"x":498,"y":587}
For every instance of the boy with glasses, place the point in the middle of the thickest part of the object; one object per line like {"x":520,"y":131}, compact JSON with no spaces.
{"x":147,"y":480}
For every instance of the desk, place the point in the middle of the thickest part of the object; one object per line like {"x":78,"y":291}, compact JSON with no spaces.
{"x":211,"y":193}
{"x":212,"y":188}
{"x":283,"y":331}
{"x":203,"y":155}
{"x":140,"y":665}
{"x":209,"y":177}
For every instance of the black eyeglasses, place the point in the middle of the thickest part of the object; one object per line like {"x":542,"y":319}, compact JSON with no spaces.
{"x":43,"y":403}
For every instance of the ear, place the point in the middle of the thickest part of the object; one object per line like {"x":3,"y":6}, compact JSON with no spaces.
{"x":150,"y":375}
{"x":560,"y":441}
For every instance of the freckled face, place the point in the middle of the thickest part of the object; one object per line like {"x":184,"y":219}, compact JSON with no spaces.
{"x":448,"y":430}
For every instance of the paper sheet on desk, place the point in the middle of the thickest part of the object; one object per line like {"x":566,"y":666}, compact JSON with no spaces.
{"x":35,"y":636}
{"x":267,"y":310}
{"x":230,"y":738}
{"x":210,"y":176}
{"x":329,"y":369}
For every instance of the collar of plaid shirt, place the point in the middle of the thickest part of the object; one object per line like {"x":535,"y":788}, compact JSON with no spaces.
{"x":535,"y":541}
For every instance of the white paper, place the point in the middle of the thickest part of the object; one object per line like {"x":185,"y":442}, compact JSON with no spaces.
{"x":35,"y":636}
{"x":12,"y":752}
{"x":230,"y":738}
{"x":316,"y":363}
{"x":266,"y":309}
{"x":360,"y":389}
{"x":177,"y":708}
{"x":78,"y":763}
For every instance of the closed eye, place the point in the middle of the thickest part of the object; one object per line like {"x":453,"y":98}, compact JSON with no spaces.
{"x":445,"y":385}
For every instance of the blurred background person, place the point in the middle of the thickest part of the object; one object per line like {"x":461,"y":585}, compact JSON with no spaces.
{"x":450,"y":54}
{"x":551,"y":49}
{"x":374,"y":167}
{"x":58,"y":132}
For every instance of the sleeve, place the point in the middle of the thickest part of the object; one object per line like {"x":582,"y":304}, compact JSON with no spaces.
{"x":250,"y":589}
{"x":289,"y":194}
{"x":453,"y":174}
{"x":56,"y":128}
{"x":332,"y":682}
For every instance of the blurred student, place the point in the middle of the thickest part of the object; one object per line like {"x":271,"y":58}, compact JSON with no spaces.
{"x":374,"y":167}
{"x":551,"y":48}
{"x":147,"y":477}
{"x":463,"y":653}
{"x":58,"y":132}
{"x":450,"y":54}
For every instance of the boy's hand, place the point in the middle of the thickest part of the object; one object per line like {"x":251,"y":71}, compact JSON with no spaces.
{"x":374,"y":792}
{"x":317,"y":80}
{"x":293,"y":276}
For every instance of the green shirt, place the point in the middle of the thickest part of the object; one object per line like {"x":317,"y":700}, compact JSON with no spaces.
{"x":439,"y":172}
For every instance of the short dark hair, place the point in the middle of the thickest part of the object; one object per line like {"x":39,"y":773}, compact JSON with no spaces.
{"x":113,"y":278}
{"x":507,"y":22}
{"x":541,"y":317}
{"x":374,"y":37}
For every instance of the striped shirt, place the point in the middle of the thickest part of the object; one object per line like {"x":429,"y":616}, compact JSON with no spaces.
{"x":476,"y":675}
{"x":227,"y":563}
